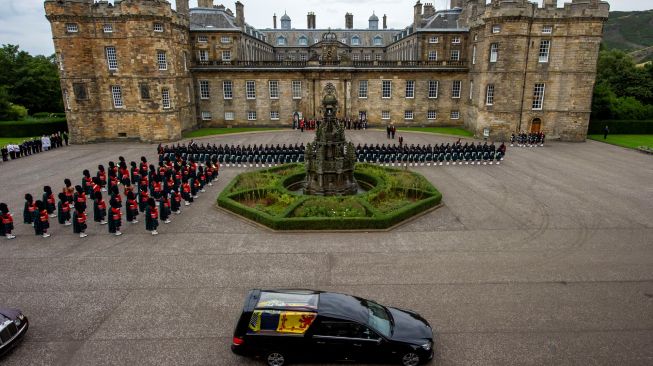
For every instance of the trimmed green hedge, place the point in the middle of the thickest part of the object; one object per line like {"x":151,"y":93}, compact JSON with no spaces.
{"x":622,"y":127}
{"x":382,"y":179}
{"x":33,"y":127}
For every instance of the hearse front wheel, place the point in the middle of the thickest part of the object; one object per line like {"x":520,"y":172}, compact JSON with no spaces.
{"x":410,"y":359}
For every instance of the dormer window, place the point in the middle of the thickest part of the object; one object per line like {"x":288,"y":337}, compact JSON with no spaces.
{"x":355,"y":41}
{"x":281,"y":41}
{"x":302,"y":41}
{"x":72,"y":28}
{"x":378,"y":41}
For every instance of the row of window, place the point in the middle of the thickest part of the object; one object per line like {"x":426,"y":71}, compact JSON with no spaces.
{"x":303,"y":41}
{"x":108,"y":28}
{"x":275,"y":115}
{"x":203,"y":55}
{"x":116,"y":93}
{"x":250,"y":89}
{"x":112,"y":58}
{"x":543,"y":53}
{"x":436,"y":39}
{"x":386,"y":89}
{"x":454,"y":55}
{"x":205,"y":39}
{"x":546,"y":29}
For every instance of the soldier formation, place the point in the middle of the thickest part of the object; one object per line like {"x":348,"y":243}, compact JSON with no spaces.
{"x":468,"y":153}
{"x":156,"y":191}
{"x":528,"y":139}
{"x":236,"y":154}
{"x":261,"y":155}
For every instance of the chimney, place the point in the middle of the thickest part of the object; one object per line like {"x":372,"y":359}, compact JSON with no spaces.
{"x":205,"y":3}
{"x":240,"y":14}
{"x":385,"y":21}
{"x":349,"y":21}
{"x":274,"y":20}
{"x":417,"y":20}
{"x":429,"y":10}
{"x":182,"y":8}
{"x":456,"y":4}
{"x":311,"y":20}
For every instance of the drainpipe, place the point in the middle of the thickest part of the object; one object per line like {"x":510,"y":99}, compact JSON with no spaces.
{"x":528,"y":52}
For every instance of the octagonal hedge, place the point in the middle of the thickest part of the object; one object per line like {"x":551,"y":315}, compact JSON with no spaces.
{"x":394,"y":195}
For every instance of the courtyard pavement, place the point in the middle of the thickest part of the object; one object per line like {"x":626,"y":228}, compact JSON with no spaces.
{"x":546,"y":259}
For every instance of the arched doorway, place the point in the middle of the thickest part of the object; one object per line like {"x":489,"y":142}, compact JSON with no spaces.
{"x":536,"y":125}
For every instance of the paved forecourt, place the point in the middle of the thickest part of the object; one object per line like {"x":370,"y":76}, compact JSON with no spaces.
{"x":544,"y":259}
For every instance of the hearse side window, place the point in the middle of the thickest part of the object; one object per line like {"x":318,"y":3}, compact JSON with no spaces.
{"x":344,"y":329}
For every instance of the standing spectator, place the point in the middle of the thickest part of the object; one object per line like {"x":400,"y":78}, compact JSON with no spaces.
{"x":65,"y":137}
{"x":5,"y":153}
{"x":606,"y":131}
{"x":401,"y":141}
{"x":387,"y":131}
{"x":6,"y":222}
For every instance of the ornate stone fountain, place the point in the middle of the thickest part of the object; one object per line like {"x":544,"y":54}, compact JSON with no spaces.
{"x":330,"y":159}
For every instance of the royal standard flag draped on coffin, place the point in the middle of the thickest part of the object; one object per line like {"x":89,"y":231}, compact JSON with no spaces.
{"x":295,"y":322}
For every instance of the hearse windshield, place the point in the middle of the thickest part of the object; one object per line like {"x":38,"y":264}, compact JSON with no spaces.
{"x":379,"y":318}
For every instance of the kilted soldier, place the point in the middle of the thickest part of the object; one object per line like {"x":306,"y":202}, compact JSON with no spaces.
{"x":143,"y":196}
{"x":99,"y":209}
{"x":156,"y":189}
{"x":132,"y":208}
{"x":175,"y":201}
{"x":123,"y":172}
{"x":201,"y":177}
{"x":136,"y":173}
{"x":80,"y":197}
{"x":87,"y":182}
{"x":186,"y":192}
{"x":30,"y":210}
{"x":170,"y":184}
{"x":115,"y":195}
{"x":79,"y":221}
{"x":127,"y":187}
{"x":102,"y":176}
{"x":63,"y":210}
{"x":151,"y":217}
{"x":68,"y":190}
{"x":115,"y":216}
{"x":50,"y":203}
{"x":164,"y":209}
{"x":42,"y":223}
{"x":6,"y":222}
{"x":95,"y":187}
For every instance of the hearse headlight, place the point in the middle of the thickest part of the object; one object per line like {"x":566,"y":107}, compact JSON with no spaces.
{"x":426,"y":346}
{"x":21,"y":317}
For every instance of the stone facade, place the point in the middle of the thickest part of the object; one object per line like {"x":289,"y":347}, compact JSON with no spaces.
{"x":511,"y":47}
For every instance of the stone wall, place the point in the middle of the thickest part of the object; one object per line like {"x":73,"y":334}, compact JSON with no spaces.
{"x":84,"y":66}
{"x":347,"y":91}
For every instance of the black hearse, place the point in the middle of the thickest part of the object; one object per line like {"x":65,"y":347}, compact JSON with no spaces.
{"x":302,"y":325}
{"x":13,"y":326}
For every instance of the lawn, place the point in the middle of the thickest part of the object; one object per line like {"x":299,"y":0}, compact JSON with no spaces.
{"x":455,"y":131}
{"x":202,"y":132}
{"x":630,"y":141}
{"x":13,"y":140}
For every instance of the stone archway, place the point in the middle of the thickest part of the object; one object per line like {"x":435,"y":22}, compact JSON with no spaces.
{"x":536,"y":125}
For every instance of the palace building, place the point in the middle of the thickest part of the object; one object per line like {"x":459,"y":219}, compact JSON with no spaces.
{"x":137,"y":69}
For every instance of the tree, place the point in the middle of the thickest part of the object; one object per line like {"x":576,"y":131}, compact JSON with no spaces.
{"x":30,"y":81}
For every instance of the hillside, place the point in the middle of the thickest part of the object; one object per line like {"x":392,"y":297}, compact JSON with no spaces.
{"x":631,"y":31}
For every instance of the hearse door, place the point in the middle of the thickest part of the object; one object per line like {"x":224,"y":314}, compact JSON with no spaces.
{"x":329,"y":341}
{"x":368,"y":346}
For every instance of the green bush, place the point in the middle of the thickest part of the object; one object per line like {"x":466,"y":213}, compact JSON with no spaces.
{"x":262,"y":197}
{"x":622,"y":127}
{"x":32,"y":127}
